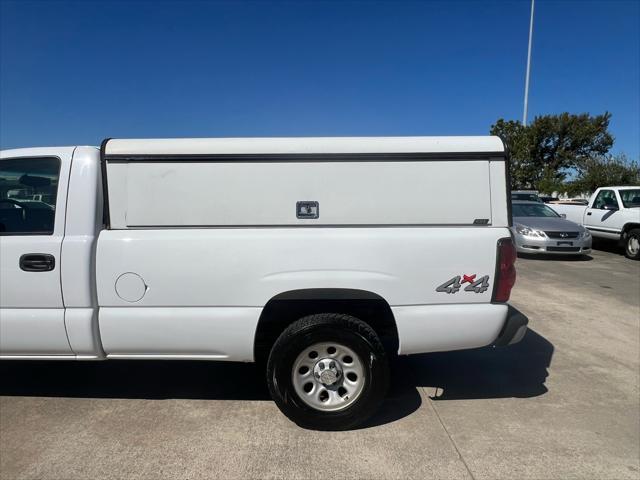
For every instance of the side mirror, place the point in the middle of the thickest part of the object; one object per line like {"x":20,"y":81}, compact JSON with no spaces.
{"x":609,"y":207}
{"x":563,"y":215}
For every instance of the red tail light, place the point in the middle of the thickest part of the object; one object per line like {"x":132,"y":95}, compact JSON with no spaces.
{"x":505,"y":271}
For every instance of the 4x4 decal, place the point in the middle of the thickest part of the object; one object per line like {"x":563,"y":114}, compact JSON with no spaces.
{"x":455,"y":284}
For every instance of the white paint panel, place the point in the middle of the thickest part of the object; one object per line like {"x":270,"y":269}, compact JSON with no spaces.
{"x":50,"y":357}
{"x":439,"y":328}
{"x":83,"y":331}
{"x":246,"y":267}
{"x":31,"y":303}
{"x":223,"y":333}
{"x":499,"y":191}
{"x":349,"y":193}
{"x":28,"y":331}
{"x":574,"y":213}
{"x":302,"y":145}
{"x":20,"y":289}
{"x":209,"y":304}
{"x":83,"y":222}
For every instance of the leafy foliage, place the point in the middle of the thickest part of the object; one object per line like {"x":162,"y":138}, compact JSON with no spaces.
{"x":546,"y":151}
{"x":604,"y":171}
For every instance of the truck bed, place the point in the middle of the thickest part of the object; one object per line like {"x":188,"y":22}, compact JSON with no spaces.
{"x":574,"y":213}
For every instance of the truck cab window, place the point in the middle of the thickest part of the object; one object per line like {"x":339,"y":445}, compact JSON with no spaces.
{"x":630,"y":198}
{"x":605,"y":198}
{"x":28,"y":189}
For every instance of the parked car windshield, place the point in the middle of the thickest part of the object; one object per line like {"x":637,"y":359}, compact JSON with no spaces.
{"x":630,"y":198}
{"x":532,"y":197}
{"x":532,"y":210}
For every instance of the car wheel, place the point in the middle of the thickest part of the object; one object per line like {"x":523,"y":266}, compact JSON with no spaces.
{"x":328,"y":372}
{"x":632,"y":245}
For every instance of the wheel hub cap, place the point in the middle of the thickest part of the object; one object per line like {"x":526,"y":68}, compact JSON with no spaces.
{"x":328,"y":371}
{"x":328,"y":376}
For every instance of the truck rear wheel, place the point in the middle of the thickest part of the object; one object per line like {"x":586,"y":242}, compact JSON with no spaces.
{"x":328,"y":372}
{"x":632,"y":245}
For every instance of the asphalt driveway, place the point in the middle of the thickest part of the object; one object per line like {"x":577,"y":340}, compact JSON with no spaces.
{"x":564,"y":403}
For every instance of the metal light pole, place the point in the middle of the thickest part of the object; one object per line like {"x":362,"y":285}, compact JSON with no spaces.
{"x":526,"y":84}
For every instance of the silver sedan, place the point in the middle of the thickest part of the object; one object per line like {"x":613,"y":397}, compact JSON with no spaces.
{"x":538,"y":229}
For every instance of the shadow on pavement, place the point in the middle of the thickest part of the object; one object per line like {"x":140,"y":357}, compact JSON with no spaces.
{"x":611,"y":246}
{"x":516,"y":371}
{"x":402,"y":398}
{"x":135,"y":379}
{"x":160,"y":380}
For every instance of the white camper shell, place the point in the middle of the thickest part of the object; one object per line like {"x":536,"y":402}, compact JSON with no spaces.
{"x":317,"y":256}
{"x":348,"y":181}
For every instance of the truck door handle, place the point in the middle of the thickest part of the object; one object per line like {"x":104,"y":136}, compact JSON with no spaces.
{"x":588,"y":214}
{"x":37,"y":262}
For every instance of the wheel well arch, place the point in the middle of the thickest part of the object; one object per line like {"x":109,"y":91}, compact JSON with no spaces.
{"x":287,"y":307}
{"x":628,"y":227}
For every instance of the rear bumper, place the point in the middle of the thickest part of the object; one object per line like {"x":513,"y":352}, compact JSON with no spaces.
{"x":515,"y":326}
{"x":442,"y":328}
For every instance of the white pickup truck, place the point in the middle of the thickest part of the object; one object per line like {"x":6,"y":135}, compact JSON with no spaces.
{"x":320,"y":257}
{"x":612,"y":213}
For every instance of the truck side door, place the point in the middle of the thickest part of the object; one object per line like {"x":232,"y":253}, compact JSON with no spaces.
{"x":33,"y":192}
{"x":602,"y":217}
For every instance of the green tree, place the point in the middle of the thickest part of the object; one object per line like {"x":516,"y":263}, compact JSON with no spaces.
{"x":516,"y":137}
{"x":544,"y":152}
{"x":602,"y":172}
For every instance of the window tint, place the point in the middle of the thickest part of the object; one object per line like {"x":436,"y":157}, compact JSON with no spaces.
{"x":532,"y":210}
{"x":630,"y":198}
{"x":529,"y":197}
{"x":28,"y":189}
{"x":605,"y":197}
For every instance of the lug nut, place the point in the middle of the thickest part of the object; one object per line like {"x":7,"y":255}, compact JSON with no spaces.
{"x":332,"y":365}
{"x":321,"y":366}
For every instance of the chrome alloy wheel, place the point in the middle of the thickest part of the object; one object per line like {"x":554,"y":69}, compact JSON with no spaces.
{"x":328,"y":376}
{"x":633,"y":245}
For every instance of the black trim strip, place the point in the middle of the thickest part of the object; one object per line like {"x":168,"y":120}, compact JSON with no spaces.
{"x":47,"y":233}
{"x":615,"y":232}
{"x":309,"y":157}
{"x":515,"y":320}
{"x":106,"y":217}
{"x":306,"y":225}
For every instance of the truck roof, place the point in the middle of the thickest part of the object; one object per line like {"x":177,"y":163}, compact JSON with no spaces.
{"x":176,"y":147}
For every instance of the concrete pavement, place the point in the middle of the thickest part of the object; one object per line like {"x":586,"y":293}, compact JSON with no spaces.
{"x":564,"y":403}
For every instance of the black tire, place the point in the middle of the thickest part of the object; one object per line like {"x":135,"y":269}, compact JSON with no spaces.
{"x":633,"y":235}
{"x":328,"y":327}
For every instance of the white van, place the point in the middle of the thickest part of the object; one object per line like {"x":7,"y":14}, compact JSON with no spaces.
{"x":320,"y":257}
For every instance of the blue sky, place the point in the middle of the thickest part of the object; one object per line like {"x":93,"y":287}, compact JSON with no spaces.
{"x":76,"y":72}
